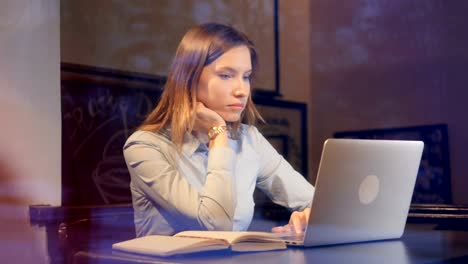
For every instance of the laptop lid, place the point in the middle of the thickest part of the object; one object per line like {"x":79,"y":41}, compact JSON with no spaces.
{"x":363,"y":190}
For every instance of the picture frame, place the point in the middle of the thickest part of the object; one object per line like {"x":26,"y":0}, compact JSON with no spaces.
{"x":433,"y":183}
{"x":100,"y":108}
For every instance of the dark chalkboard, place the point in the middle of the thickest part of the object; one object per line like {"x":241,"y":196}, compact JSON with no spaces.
{"x":100,"y":109}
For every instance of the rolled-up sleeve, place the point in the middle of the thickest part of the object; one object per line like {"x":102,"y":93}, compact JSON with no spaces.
{"x":155,"y":175}
{"x":278,"y":179}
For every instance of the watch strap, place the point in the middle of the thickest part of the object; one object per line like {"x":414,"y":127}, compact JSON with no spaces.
{"x":216,"y":130}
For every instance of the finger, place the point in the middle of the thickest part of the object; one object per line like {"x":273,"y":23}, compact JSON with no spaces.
{"x":200,"y":106}
{"x":197,"y":108}
{"x":307,"y":215}
{"x":278,"y":229}
{"x":282,"y":229}
{"x":296,"y":221}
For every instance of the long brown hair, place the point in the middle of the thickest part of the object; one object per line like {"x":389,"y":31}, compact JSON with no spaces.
{"x":199,"y":47}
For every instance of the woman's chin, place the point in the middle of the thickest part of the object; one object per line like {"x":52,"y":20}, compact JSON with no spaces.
{"x":231,"y":118}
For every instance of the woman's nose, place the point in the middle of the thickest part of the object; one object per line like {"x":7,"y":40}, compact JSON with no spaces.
{"x":242,"y":89}
{"x":240,"y":93}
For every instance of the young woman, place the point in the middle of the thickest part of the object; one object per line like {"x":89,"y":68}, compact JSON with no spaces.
{"x":193,"y":164}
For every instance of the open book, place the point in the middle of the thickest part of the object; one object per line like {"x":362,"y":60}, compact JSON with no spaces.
{"x":197,"y":241}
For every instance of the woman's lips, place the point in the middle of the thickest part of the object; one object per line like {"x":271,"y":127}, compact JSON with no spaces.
{"x":237,"y":106}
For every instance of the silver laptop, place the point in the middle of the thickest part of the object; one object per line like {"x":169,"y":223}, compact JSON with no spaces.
{"x":363,"y":191}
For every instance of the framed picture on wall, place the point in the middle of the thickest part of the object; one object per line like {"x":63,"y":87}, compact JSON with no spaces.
{"x":100,"y":109}
{"x":433,"y":183}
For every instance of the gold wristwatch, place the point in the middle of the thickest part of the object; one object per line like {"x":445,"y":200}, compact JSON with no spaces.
{"x":216,"y":130}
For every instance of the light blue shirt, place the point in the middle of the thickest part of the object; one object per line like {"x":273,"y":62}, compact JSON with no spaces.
{"x":207,"y":189}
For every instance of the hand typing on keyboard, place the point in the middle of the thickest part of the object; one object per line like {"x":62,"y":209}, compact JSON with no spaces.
{"x":297,"y":223}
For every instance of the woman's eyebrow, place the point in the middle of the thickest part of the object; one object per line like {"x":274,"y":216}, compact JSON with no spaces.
{"x":230,"y":69}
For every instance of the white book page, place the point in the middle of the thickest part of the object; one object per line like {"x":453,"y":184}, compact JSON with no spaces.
{"x":230,"y":236}
{"x":167,"y":245}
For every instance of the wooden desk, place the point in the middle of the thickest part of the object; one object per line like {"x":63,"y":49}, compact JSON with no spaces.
{"x":420,"y":244}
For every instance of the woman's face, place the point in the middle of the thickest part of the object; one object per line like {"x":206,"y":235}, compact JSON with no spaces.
{"x":224,"y":85}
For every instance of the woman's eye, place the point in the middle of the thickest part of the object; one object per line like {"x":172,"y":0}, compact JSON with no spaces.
{"x":224,"y":76}
{"x":247,"y":78}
